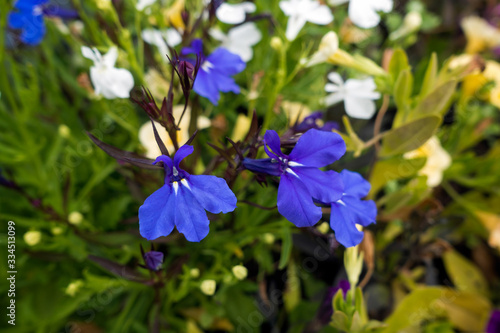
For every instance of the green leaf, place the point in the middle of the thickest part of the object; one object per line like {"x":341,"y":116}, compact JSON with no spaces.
{"x":437,"y":102}
{"x":464,"y":274}
{"x":402,"y":90}
{"x":398,"y":63}
{"x":392,"y":169}
{"x":430,"y":76}
{"x":409,"y":136}
{"x":340,"y":321}
{"x":286,"y":247}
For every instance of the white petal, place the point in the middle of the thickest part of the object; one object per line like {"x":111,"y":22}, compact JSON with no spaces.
{"x":336,"y":78}
{"x":362,"y":14}
{"x":141,"y":4}
{"x":155,"y":37}
{"x":287,"y":7}
{"x":295,"y":24}
{"x":203,"y":122}
{"x":362,"y":88}
{"x":330,"y":87}
{"x":245,"y":34}
{"x":173,"y":37}
{"x":360,"y":108}
{"x":147,"y":139}
{"x":234,"y":13}
{"x":109,"y":59}
{"x":382,"y":5}
{"x":112,"y":82}
{"x":337,"y":2}
{"x":334,"y":98}
{"x":89,"y":54}
{"x":219,"y":35}
{"x":320,"y":15}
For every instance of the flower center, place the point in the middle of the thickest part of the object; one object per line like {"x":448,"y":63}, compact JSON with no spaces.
{"x":285,"y":164}
{"x":207,"y":66}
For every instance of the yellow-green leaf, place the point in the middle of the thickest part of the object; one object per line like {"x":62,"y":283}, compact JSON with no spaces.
{"x":464,"y":274}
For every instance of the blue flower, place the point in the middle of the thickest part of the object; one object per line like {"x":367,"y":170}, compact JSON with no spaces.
{"x":153,"y":260}
{"x":301,"y":180}
{"x":215,"y":71}
{"x":29,"y":18}
{"x":351,"y":210}
{"x":313,"y":121}
{"x":182,"y":201}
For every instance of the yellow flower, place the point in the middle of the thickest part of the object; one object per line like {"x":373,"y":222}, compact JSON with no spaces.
{"x":492,"y":73}
{"x":32,"y":237}
{"x":480,"y":34}
{"x":173,"y":15}
{"x":438,"y":160}
{"x":208,"y":287}
{"x":241,"y":128}
{"x":147,"y":137}
{"x":240,"y":272}
{"x":295,"y":111}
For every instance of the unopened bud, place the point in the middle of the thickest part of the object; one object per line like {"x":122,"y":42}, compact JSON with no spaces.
{"x":208,"y":287}
{"x":240,"y":272}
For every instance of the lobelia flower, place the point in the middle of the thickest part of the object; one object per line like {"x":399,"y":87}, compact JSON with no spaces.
{"x":162,"y":39}
{"x":215,"y":71}
{"x":302,"y":11}
{"x":358,"y":95}
{"x":28,"y":17}
{"x":182,"y":201}
{"x":364,"y":13}
{"x":153,"y":260}
{"x":301,"y":180}
{"x":438,"y":160}
{"x":350,"y":210}
{"x":493,"y":325}
{"x":315,"y":121}
{"x":234,"y":13}
{"x":239,"y":40}
{"x":108,"y":81}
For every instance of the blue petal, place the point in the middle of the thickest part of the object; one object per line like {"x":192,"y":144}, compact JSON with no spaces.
{"x":355,"y":184}
{"x":157,"y":214}
{"x":363,"y":211}
{"x":17,"y":20}
{"x":263,"y":165}
{"x":317,"y":148}
{"x":32,"y":35}
{"x":190,"y":217}
{"x":205,"y":86}
{"x":224,"y":83}
{"x":295,"y":202}
{"x":272,"y":141}
{"x":226,"y":62}
{"x":195,"y":48}
{"x":213,"y":193}
{"x":324,"y":186}
{"x":342,"y":222}
{"x":180,"y":154}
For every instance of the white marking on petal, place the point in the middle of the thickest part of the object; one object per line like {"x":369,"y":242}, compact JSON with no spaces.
{"x":292,"y":172}
{"x":185,"y":183}
{"x":294,"y":164}
{"x":176,"y":187}
{"x":207,"y":66}
{"x":175,"y":172}
{"x":341,"y":202}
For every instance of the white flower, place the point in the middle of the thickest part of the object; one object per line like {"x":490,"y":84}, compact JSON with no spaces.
{"x":358,"y":95}
{"x":328,"y":46}
{"x":437,"y":161}
{"x":208,"y":287}
{"x":234,"y":13}
{"x":239,"y":40}
{"x":147,"y":137}
{"x":109,"y":81}
{"x":240,"y":272}
{"x":162,"y":39}
{"x":364,"y":13}
{"x":141,"y":4}
{"x":302,"y":11}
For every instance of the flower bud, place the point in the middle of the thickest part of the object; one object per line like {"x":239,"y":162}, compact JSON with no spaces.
{"x":153,"y":260}
{"x":323,"y":228}
{"x":75,"y":218}
{"x":276,"y":43}
{"x":57,"y":230}
{"x":73,"y":288}
{"x":208,"y":287}
{"x":32,"y":237}
{"x":64,"y":131}
{"x":268,"y":238}
{"x":240,"y":272}
{"x":194,"y":272}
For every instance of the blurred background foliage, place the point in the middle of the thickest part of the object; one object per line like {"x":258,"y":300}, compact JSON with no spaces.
{"x":431,"y":263}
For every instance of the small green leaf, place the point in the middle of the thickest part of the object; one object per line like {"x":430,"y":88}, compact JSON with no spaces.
{"x":409,"y":136}
{"x":398,"y":63}
{"x":430,"y":76}
{"x":340,"y":321}
{"x":464,"y":274}
{"x":286,"y":248}
{"x":437,"y":102}
{"x":403,"y":89}
{"x":392,"y":169}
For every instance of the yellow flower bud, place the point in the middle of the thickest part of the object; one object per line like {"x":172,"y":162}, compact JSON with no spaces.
{"x":276,"y":43}
{"x":73,"y":288}
{"x":194,"y":272}
{"x":208,"y":287}
{"x":240,"y":272}
{"x":323,"y":228}
{"x":64,"y":131}
{"x":32,"y":237}
{"x":57,"y":230}
{"x":75,"y":218}
{"x":268,"y":238}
